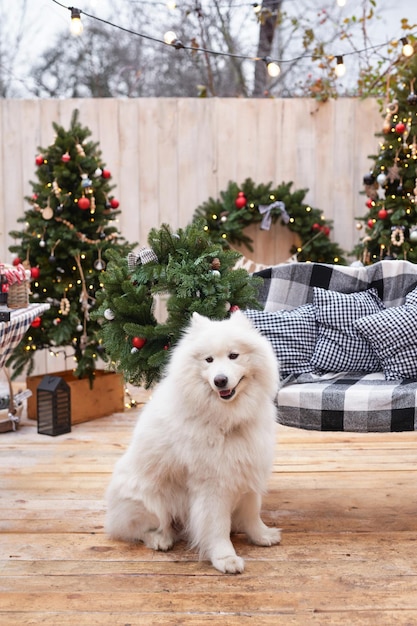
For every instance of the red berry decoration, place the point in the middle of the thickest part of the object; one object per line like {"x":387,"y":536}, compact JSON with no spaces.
{"x":371,"y":223}
{"x":65,"y":157}
{"x":326,"y":230}
{"x":240,"y":201}
{"x":84,"y":203}
{"x":106,"y":174}
{"x":114,"y":203}
{"x":36,"y":322}
{"x":39,"y":159}
{"x":35,"y":272}
{"x":234,"y":308}
{"x":400,"y":128}
{"x":316,"y":227}
{"x":382,"y":214}
{"x":138,"y":342}
{"x":17,"y":261}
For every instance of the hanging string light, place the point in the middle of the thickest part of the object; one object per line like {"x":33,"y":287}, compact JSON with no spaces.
{"x":272,"y":67}
{"x":76,"y":26}
{"x":340,"y":69}
{"x":407,"y":48}
{"x":341,"y":3}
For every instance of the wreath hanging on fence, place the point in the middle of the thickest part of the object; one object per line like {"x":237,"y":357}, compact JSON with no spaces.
{"x":240,"y":206}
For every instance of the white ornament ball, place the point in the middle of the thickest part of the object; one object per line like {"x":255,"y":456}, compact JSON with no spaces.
{"x":98,"y":172}
{"x":381,"y":179}
{"x":42,"y":243}
{"x":79,"y":328}
{"x":216,"y":273}
{"x":227,"y":306}
{"x":109,"y":315}
{"x":413,"y":235}
{"x":133,"y":350}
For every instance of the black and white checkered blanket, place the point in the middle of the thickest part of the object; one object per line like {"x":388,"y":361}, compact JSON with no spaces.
{"x":346,"y":401}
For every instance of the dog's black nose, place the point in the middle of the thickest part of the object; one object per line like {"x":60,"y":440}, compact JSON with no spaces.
{"x":220,"y":381}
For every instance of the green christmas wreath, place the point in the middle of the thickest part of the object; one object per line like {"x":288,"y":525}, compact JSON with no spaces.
{"x":245,"y":204}
{"x":186,"y":268}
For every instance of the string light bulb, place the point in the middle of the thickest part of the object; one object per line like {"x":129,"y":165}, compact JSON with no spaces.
{"x":170,"y":37}
{"x":341,"y":3}
{"x":407,"y":49}
{"x":76,"y":26}
{"x":340,"y":69}
{"x":272,"y":67}
{"x":257,"y":8}
{"x":171,"y":5}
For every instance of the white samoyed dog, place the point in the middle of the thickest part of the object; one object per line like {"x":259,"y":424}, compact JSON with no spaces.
{"x":203,"y":447}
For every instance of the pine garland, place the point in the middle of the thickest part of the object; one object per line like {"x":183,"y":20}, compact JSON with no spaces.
{"x":193,"y":274}
{"x":226,"y":223}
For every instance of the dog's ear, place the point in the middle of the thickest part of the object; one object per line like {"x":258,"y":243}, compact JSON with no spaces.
{"x":197,"y":319}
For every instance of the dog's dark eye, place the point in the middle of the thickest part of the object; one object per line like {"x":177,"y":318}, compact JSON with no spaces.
{"x":209,"y":359}
{"x":233,"y":355}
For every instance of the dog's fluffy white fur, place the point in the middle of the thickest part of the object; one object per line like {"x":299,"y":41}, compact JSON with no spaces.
{"x":202,"y":450}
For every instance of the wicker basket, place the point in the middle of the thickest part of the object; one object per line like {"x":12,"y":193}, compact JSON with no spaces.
{"x":18,"y":296}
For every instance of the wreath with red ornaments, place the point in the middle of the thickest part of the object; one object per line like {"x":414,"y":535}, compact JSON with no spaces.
{"x":239,"y":206}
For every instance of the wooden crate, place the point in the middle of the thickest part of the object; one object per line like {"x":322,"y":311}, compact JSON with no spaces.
{"x":105,"y":397}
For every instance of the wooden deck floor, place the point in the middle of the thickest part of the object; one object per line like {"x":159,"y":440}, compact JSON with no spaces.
{"x":347,"y":505}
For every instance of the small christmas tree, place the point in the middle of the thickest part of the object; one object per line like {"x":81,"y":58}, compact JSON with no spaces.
{"x":68,"y":228}
{"x":391,"y":185}
{"x":195,"y":274}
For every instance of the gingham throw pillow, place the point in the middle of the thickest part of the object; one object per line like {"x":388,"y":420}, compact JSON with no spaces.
{"x":392,"y":335}
{"x":340,"y":347}
{"x":292,"y":335}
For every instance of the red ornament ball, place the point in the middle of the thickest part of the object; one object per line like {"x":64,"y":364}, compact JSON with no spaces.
{"x":326,"y":230}
{"x":39,"y":159}
{"x":240,"y":201}
{"x":370,"y":203}
{"x":382,"y":214}
{"x":17,"y":261}
{"x":234,"y":308}
{"x":316,"y":227}
{"x":35,"y":272}
{"x":36,"y":322}
{"x":138,"y":342}
{"x":371,"y":223}
{"x":65,"y":157}
{"x":84,"y":203}
{"x":114,"y":203}
{"x":400,"y":128}
{"x":106,"y":174}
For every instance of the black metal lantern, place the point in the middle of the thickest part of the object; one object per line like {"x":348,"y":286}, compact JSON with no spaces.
{"x":54,"y":406}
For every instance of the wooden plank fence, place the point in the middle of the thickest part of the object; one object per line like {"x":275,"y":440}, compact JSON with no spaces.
{"x":169,"y":155}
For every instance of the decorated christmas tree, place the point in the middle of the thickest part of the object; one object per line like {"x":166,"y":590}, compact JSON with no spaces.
{"x":241,"y":205}
{"x":68,"y":228}
{"x":186,"y":268}
{"x":391,"y":185}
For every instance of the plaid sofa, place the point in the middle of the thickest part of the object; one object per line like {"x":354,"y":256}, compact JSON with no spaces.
{"x":361,"y":401}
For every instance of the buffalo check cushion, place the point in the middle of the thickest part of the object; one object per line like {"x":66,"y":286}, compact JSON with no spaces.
{"x":340,"y":347}
{"x":292,"y":334}
{"x":393,"y":337}
{"x":344,"y":401}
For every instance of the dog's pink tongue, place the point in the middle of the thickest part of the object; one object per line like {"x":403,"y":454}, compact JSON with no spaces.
{"x":225,"y":392}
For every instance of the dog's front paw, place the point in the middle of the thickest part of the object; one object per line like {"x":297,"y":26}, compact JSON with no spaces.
{"x":231,"y":564}
{"x":156,"y":540}
{"x":268,"y":537}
